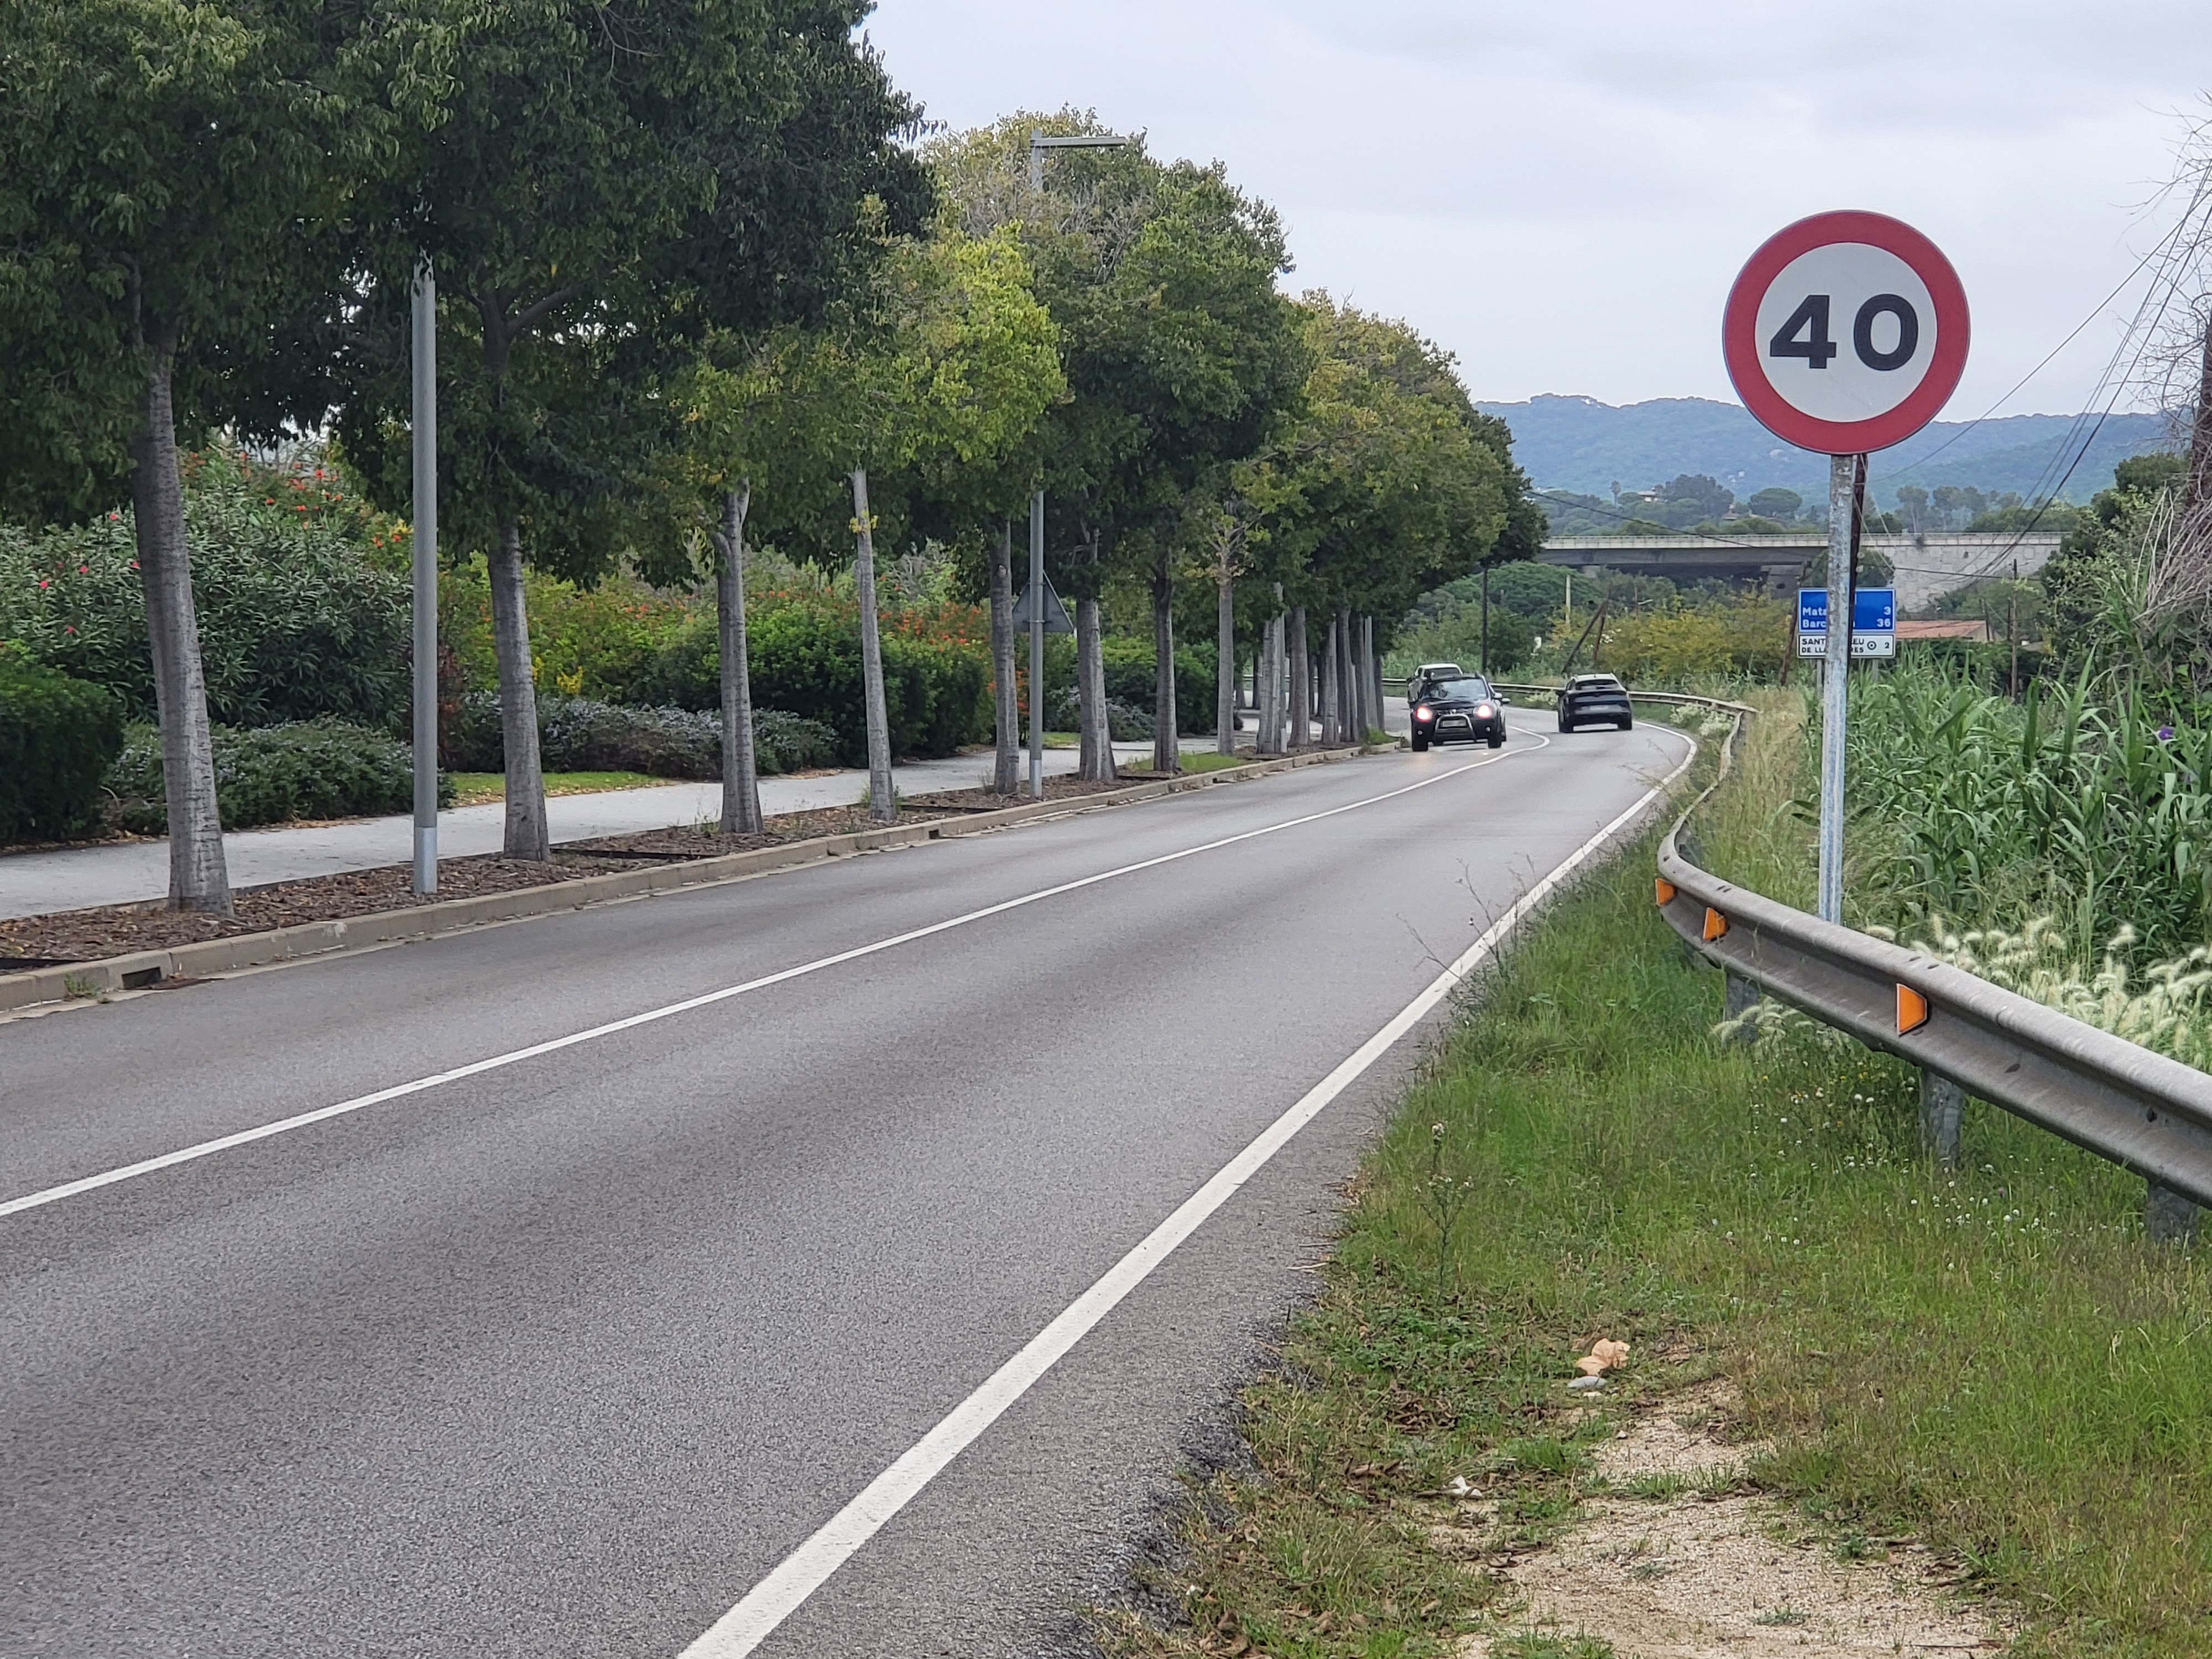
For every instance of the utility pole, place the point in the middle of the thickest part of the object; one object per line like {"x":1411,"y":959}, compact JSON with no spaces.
{"x":424,"y":486}
{"x":2011,"y":628}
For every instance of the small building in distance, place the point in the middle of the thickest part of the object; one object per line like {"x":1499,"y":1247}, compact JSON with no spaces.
{"x":1970,"y":631}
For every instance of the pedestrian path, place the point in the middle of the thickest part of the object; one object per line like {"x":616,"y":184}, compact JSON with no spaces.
{"x":124,"y":873}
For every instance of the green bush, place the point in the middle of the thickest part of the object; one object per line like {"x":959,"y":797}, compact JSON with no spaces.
{"x":581,"y":734}
{"x":295,"y":622}
{"x":1129,"y":681}
{"x":276,"y":774}
{"x":806,"y":660}
{"x":57,"y":738}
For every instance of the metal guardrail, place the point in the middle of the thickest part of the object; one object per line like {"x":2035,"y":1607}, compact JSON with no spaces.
{"x":2144,"y":1111}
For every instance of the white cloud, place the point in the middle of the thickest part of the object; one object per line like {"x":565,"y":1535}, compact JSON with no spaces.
{"x":1561,"y":193}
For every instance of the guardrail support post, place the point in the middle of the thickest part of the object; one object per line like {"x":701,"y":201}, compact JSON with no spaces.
{"x":1738,"y":996}
{"x":2168,"y":1217}
{"x":1942,"y":1102}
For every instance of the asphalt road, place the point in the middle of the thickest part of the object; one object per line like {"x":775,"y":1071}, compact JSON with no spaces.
{"x":562,"y":1357}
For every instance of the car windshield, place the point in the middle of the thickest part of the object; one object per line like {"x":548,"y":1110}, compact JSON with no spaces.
{"x":1597,"y":683}
{"x":1458,"y":688}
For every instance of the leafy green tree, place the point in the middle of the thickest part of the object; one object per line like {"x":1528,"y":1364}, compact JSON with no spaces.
{"x":1395,"y":485}
{"x":1179,"y":354}
{"x":599,"y":184}
{"x":1782,"y":505}
{"x":2077,"y":580}
{"x":933,"y":380}
{"x":169,"y":180}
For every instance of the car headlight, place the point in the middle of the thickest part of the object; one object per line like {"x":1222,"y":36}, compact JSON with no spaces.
{"x":1485,"y":709}
{"x":1425,"y":713}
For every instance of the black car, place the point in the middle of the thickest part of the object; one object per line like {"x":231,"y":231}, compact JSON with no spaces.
{"x":1594,"y":699}
{"x":1458,"y":708}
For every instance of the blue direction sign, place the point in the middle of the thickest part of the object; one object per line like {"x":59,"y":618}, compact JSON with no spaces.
{"x":1874,"y":622}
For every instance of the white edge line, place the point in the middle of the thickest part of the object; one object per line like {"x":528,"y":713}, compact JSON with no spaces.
{"x":802,"y":1572}
{"x":68,"y":1189}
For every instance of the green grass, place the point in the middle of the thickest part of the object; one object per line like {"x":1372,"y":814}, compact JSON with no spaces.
{"x":1204,"y":760}
{"x":1995,"y":1360}
{"x":474,"y":788}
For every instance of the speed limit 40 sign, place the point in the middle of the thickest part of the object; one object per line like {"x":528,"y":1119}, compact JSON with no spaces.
{"x":1845,"y":333}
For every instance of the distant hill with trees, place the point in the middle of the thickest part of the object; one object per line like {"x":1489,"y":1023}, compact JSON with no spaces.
{"x":1585,"y":446}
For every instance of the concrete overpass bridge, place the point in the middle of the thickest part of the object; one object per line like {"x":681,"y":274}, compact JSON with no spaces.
{"x":1926,"y":565}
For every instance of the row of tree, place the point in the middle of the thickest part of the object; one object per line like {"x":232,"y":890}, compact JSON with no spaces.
{"x":696,"y":287}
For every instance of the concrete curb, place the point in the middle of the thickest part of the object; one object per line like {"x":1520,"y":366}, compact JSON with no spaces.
{"x":141,"y":968}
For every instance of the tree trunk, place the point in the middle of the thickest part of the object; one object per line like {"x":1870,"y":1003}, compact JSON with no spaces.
{"x":1225,"y":701}
{"x":528,"y":834}
{"x":1167,"y":752}
{"x":199,"y":878}
{"x":1355,"y":684}
{"x":1006,"y":695}
{"x":1331,"y":694}
{"x":741,"y":807}
{"x":1301,"y":700}
{"x":1268,"y":688}
{"x":1098,"y":733}
{"x":883,"y":805}
{"x":1370,"y":680}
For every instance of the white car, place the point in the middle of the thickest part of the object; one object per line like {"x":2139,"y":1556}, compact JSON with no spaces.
{"x":1427,"y":671}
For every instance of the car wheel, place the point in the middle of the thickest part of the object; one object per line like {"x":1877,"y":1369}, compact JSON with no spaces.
{"x":1497,"y":743}
{"x":1628,"y":725}
{"x":1565,"y":725}
{"x":1420,"y":743}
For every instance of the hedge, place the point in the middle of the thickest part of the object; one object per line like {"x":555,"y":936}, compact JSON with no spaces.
{"x":57,"y":738}
{"x":276,"y":774}
{"x":806,"y":660}
{"x":581,"y":734}
{"x":296,"y":622}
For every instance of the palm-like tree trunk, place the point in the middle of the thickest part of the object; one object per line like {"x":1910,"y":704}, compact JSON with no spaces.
{"x":1167,"y":752}
{"x":529,"y":835}
{"x":1007,"y":774}
{"x":1097,"y":760}
{"x":741,"y":807}
{"x":199,"y":877}
{"x":883,"y":805}
{"x":1224,"y":696}
{"x":1301,"y":654}
{"x":1330,"y":697}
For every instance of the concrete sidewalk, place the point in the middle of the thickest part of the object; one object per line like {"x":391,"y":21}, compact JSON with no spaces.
{"x":123,"y":872}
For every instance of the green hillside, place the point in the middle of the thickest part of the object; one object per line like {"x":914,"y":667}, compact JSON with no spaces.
{"x":1581,"y":445}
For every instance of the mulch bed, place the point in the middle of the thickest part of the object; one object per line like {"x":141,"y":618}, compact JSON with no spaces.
{"x":117,"y":929}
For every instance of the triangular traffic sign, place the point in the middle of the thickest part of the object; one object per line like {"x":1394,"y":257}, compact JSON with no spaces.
{"x":1055,"y":613}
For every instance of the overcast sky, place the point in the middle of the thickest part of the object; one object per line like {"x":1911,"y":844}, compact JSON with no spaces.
{"x":1561,"y":191}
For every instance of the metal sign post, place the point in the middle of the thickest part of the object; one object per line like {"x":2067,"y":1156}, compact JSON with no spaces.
{"x":424,"y":488}
{"x":1036,"y":647}
{"x":1844,"y":333}
{"x":1835,"y":676}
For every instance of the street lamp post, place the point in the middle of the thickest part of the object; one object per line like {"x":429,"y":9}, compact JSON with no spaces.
{"x":424,"y":488}
{"x":1040,"y":141}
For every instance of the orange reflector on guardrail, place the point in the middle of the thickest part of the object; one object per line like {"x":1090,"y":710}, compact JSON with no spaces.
{"x":1716,"y":924}
{"x":1911,"y":1010}
{"x":1665,"y":888}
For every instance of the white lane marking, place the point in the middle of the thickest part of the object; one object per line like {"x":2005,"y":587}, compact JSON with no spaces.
{"x":398,"y":1091}
{"x":804,"y":1570}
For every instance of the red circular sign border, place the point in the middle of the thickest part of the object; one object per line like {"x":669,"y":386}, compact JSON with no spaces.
{"x":1740,"y":333}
